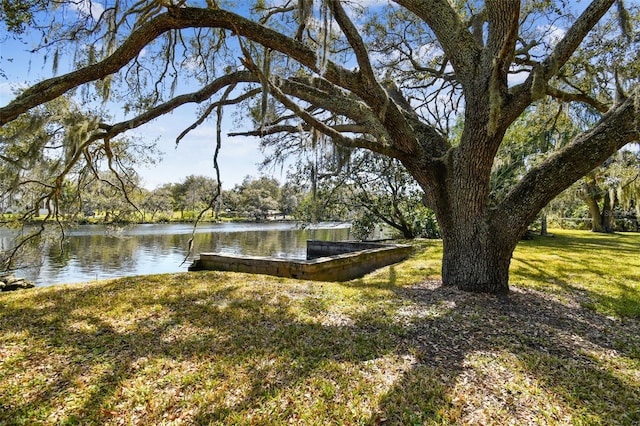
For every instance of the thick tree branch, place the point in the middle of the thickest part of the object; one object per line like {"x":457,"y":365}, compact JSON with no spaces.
{"x":319,"y":125}
{"x":291,"y":129}
{"x":180,"y":18}
{"x":536,"y":84}
{"x":503,"y":18}
{"x":378,"y":98}
{"x":573,"y":37}
{"x":357,"y":44}
{"x":321,"y":94}
{"x":456,"y":40}
{"x":52,"y":88}
{"x":175,"y":18}
{"x":544,"y":182}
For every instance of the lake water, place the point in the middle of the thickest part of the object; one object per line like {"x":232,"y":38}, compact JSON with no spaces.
{"x":95,"y":252}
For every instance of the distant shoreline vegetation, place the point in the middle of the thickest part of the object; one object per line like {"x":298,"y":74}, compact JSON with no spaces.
{"x":102,"y":219}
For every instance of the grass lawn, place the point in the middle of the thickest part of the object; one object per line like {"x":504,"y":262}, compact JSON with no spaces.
{"x":392,"y":348}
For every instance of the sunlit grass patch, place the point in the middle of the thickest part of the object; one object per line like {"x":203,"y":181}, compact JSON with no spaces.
{"x":606,"y":268}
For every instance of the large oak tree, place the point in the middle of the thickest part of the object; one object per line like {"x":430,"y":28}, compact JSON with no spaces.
{"x":433,"y":83}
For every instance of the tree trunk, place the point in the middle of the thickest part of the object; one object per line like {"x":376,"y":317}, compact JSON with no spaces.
{"x":407,"y":233}
{"x":476,"y":260}
{"x":477,"y":248}
{"x":544,"y":231}
{"x":607,"y":214}
{"x":591,"y":198}
{"x":594,"y":212}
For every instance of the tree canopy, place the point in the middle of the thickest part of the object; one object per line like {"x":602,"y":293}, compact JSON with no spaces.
{"x":433,"y":84}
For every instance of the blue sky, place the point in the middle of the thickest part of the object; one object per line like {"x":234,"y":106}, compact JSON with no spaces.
{"x":238,"y":157}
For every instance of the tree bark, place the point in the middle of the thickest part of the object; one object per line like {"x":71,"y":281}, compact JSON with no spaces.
{"x":476,"y":259}
{"x":607,"y":214}
{"x":544,"y":231}
{"x":594,"y":212}
{"x":601,"y":219}
{"x":477,"y":247}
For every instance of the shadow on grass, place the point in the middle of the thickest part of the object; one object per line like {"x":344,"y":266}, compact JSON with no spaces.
{"x":527,"y":358}
{"x":604,"y":268}
{"x":231,"y":353}
{"x":259,"y":339}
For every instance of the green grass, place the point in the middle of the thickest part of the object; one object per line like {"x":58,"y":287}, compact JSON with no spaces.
{"x":391,"y":348}
{"x":605,"y":268}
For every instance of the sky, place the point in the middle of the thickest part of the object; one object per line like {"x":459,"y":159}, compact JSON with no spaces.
{"x":239,"y":156}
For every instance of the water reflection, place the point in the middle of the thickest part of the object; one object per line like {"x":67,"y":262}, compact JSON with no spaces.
{"x":96,"y":252}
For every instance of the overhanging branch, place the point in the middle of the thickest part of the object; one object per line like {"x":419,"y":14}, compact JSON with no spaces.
{"x":317,"y":124}
{"x":217,"y":106}
{"x":195,"y":97}
{"x":544,"y":182}
{"x":577,"y":97}
{"x":173,"y":19}
{"x":291,"y":129}
{"x":455,"y":39}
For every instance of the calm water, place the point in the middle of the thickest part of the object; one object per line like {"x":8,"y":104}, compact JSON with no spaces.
{"x":93,"y":252}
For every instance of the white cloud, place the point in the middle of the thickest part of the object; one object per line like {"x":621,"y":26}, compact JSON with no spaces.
{"x":516,"y":77}
{"x":88,"y":8}
{"x":203,"y":132}
{"x":551,"y":34}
